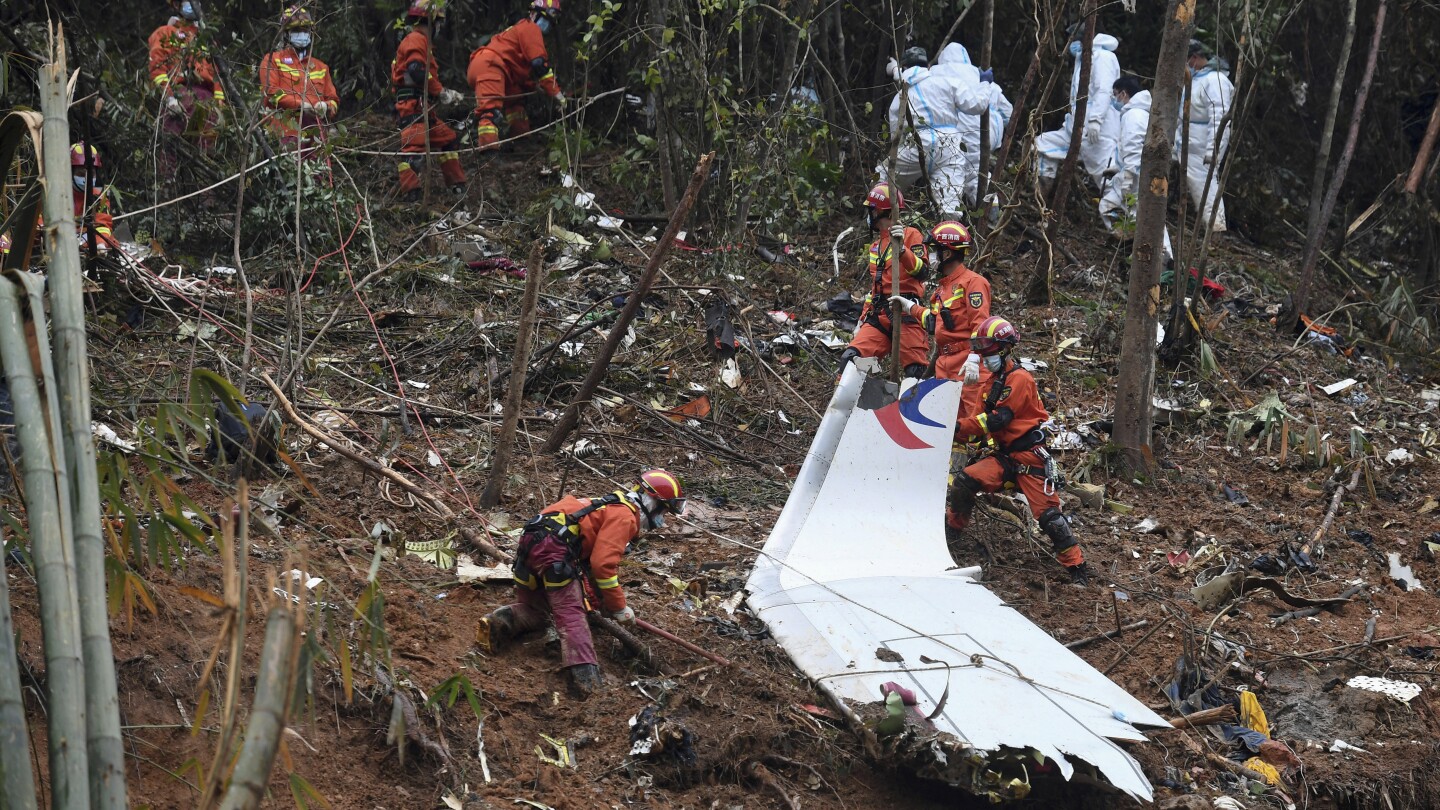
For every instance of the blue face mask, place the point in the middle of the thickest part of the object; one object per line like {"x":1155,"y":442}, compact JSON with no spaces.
{"x":79,"y":180}
{"x":300,"y":40}
{"x":543,"y":23}
{"x":1075,"y":48}
{"x":993,"y":363}
{"x":1117,"y":104}
{"x":187,"y":10}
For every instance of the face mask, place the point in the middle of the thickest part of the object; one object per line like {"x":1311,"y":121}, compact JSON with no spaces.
{"x":1193,"y":71}
{"x":300,"y":40}
{"x":79,"y":180}
{"x":1117,"y":104}
{"x":1075,"y":48}
{"x":187,"y":10}
{"x":543,"y":23}
{"x":994,"y":362}
{"x":933,"y":260}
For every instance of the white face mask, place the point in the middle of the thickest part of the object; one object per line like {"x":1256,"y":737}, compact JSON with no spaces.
{"x":652,"y":512}
{"x":187,"y":10}
{"x":994,"y":362}
{"x":300,"y":40}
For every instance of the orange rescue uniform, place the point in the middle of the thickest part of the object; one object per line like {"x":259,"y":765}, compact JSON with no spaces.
{"x":956,"y":309}
{"x":502,"y":71}
{"x":604,"y":534}
{"x":410,"y":108}
{"x":177,"y":58}
{"x":1011,"y":415}
{"x":286,"y":82}
{"x":872,"y":338}
{"x":103,"y":221}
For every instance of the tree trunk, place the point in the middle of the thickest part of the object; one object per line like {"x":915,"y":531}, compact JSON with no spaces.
{"x":982,"y":186}
{"x":1133,"y":406}
{"x":571,"y":417}
{"x":1427,"y":148}
{"x":17,"y":781}
{"x":515,"y":395}
{"x":1315,"y":229}
{"x":1039,"y":291}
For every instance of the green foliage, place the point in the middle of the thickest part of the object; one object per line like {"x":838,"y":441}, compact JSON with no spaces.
{"x":451,"y":689}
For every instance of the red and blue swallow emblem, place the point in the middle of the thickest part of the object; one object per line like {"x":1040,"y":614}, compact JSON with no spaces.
{"x":896,"y":416}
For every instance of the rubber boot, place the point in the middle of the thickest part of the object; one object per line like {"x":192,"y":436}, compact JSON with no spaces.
{"x":584,"y":679}
{"x":495,"y":629}
{"x":1079,"y":574}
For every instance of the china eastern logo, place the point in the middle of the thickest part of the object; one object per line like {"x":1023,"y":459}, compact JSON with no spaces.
{"x":896,"y":417}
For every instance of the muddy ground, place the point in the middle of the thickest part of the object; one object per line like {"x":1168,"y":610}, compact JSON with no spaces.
{"x":762,"y":736}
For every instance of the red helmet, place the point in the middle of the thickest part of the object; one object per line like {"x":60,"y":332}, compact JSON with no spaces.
{"x":882,"y":198}
{"x":665,"y":488}
{"x":549,"y":8}
{"x":995,"y":336}
{"x":949,"y":235}
{"x":296,"y":18}
{"x":77,"y":155}
{"x":426,"y":9}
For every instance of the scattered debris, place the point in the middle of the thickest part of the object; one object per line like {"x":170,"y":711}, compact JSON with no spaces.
{"x":1403,"y":575}
{"x":653,"y":736}
{"x":1403,"y":691}
{"x":1340,"y":746}
{"x":1336,"y":387}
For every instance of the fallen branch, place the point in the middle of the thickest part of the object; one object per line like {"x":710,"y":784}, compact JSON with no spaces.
{"x":674,"y":639}
{"x":762,"y":775}
{"x":1319,"y":534}
{"x":1081,"y":642}
{"x":626,"y":639}
{"x":1208,"y":717}
{"x":404,"y":711}
{"x":1305,"y":613}
{"x":344,"y":447}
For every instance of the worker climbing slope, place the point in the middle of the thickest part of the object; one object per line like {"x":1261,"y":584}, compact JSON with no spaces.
{"x":1011,"y":415}
{"x":571,"y":544}
{"x":935,"y":104}
{"x":1102,"y":122}
{"x":296,"y":88}
{"x":414,"y":76}
{"x":955,"y":310}
{"x":191,"y":96}
{"x":1210,"y":96}
{"x":872,"y":338}
{"x":509,"y":67}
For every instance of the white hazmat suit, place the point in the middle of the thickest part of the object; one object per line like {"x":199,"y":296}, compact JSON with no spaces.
{"x":1211,"y":93}
{"x":1117,"y":205}
{"x":1102,"y":123}
{"x":955,"y":65}
{"x":936,"y":104}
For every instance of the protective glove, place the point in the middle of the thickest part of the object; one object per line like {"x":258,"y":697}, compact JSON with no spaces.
{"x":970,"y":371}
{"x":561,"y":99}
{"x":987,"y":75}
{"x":907,"y":305}
{"x":173,"y":106}
{"x":892,"y":69}
{"x":1092,"y":133}
{"x":448,"y":96}
{"x":625,"y":615}
{"x":321,"y":110}
{"x":306,"y":108}
{"x":897,"y":232}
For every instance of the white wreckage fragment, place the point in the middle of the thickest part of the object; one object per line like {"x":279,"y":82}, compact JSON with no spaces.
{"x":844,"y":578}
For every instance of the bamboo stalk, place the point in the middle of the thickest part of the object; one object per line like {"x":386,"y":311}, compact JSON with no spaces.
{"x":104,"y":747}
{"x":268,"y":713}
{"x":48,"y":515}
{"x":515,"y":396}
{"x":17,"y":781}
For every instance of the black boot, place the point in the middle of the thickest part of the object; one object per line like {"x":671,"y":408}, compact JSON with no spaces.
{"x":584,"y":679}
{"x":1079,"y":574}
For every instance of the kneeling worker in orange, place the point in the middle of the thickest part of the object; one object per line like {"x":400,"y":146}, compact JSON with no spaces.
{"x":414,"y":77}
{"x":960,"y":303}
{"x":1011,"y":415}
{"x":507,"y":68}
{"x":872,"y":339}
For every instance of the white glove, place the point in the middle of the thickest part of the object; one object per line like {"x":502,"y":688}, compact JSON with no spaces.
{"x":892,"y":69}
{"x":907,"y":304}
{"x":970,"y":371}
{"x":624,"y":616}
{"x":1092,"y":133}
{"x":173,"y":106}
{"x":307,"y":107}
{"x":561,"y":99}
{"x":897,"y":232}
{"x":448,"y":96}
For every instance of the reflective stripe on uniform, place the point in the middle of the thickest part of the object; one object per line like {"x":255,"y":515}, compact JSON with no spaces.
{"x":984,"y":420}
{"x":608,"y":583}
